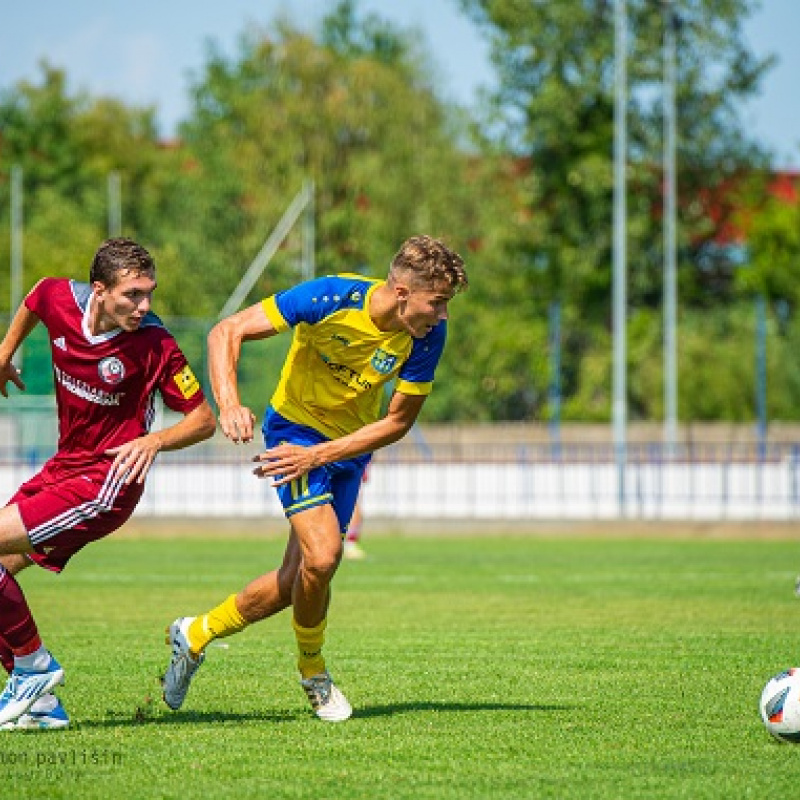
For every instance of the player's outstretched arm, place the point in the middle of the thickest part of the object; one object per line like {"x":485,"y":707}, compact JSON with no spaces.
{"x":134,"y":459}
{"x":287,"y":462}
{"x":224,"y":348}
{"x":23,"y":323}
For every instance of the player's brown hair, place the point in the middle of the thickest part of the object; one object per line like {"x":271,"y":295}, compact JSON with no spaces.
{"x":427,"y":262}
{"x":116,"y":257}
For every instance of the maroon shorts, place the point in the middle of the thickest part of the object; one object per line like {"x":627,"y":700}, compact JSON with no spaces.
{"x":65,"y":509}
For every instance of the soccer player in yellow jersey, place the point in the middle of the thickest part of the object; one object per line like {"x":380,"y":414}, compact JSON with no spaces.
{"x":352,"y":335}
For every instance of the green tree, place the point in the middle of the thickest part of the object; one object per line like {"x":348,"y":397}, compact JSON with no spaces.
{"x":371,"y":135}
{"x":356,"y":110}
{"x":67,"y":146}
{"x":554,"y":107}
{"x":357,"y":113}
{"x":772,"y":272}
{"x":773,"y":245}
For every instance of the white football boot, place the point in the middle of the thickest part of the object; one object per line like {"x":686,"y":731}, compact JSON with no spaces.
{"x":326,"y":700}
{"x":182,"y":666}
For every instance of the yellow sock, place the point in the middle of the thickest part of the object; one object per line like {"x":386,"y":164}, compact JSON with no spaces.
{"x":309,"y":648}
{"x":224,"y":620}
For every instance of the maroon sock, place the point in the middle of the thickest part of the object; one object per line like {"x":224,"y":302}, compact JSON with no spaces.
{"x":18,"y":631}
{"x":6,"y":656}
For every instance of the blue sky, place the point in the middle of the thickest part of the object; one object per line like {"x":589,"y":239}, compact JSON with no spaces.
{"x":143,"y":51}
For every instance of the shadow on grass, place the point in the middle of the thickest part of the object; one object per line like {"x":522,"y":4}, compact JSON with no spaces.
{"x":121,"y":720}
{"x":423,"y":706}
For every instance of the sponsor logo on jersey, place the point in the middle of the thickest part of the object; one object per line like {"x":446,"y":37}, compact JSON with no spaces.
{"x":383,"y":362}
{"x":60,"y":342}
{"x":345,"y":375}
{"x":337,"y":337}
{"x":83,"y":390}
{"x":111,"y":370}
{"x":186,"y":382}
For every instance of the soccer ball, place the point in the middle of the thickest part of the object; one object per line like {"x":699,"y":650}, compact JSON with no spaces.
{"x":780,"y":705}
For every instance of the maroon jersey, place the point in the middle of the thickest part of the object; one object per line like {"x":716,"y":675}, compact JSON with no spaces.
{"x":106,"y":384}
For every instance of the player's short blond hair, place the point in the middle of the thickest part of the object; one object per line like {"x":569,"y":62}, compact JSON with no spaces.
{"x":117,"y":257}
{"x":425,"y":262}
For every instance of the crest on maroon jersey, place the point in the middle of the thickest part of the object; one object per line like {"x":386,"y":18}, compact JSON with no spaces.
{"x":111,"y":370}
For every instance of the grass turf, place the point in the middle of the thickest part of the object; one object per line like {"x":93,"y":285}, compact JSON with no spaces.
{"x":478,"y":667}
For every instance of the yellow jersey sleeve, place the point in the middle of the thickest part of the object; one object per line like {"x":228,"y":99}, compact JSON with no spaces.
{"x":416,"y":389}
{"x":274,"y":315}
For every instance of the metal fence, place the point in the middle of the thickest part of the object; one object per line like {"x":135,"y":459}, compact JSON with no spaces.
{"x":504,"y":481}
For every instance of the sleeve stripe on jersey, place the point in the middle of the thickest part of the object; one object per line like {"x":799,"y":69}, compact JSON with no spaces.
{"x":407,"y":387}
{"x":274,"y":315}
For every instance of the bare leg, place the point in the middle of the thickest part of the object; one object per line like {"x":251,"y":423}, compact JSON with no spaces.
{"x":271,"y":593}
{"x":317,"y":531}
{"x":15,"y":562}
{"x":13,"y":536}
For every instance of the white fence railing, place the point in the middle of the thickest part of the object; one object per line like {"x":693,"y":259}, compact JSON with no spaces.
{"x":715,"y":484}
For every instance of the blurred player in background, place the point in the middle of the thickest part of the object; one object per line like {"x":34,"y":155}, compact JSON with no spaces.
{"x":352,"y":336}
{"x":110,"y":355}
{"x":353,"y":550}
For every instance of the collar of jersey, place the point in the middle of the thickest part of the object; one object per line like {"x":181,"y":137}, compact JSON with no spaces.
{"x":90,"y":337}
{"x":365,"y":309}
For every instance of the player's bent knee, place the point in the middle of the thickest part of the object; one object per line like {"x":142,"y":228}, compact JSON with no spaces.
{"x":321,"y":566}
{"x":15,"y":563}
{"x":13,"y":536}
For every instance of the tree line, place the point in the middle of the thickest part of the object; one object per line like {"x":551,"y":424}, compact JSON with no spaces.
{"x":521,"y":185}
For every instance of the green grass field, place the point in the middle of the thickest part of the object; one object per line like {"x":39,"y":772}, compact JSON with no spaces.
{"x":497,"y":667}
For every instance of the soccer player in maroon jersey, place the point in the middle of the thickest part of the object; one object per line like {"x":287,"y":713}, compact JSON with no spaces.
{"x":111,"y":354}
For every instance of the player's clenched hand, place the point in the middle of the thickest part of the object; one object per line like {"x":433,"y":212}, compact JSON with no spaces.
{"x":285,"y":463}
{"x":237,"y":423}
{"x":8,"y":372}
{"x":133,"y":460}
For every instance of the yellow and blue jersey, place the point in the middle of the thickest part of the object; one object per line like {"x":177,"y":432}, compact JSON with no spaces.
{"x":339,"y":362}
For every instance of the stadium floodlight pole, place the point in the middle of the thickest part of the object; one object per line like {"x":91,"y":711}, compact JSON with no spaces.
{"x":620,"y":268}
{"x":16,"y":250}
{"x":555,"y":376}
{"x":670,"y":292}
{"x":268,"y":250}
{"x":761,"y":374}
{"x":114,"y":204}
